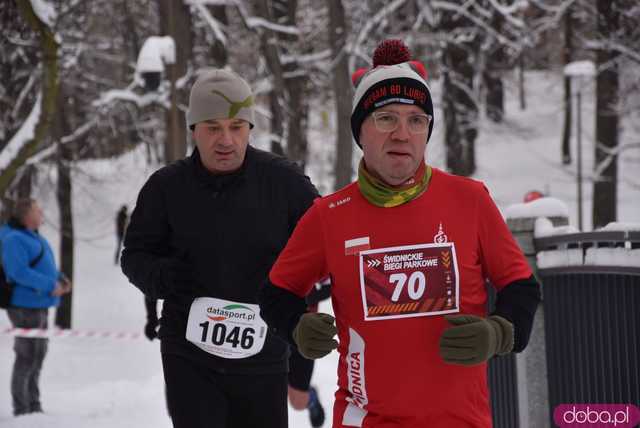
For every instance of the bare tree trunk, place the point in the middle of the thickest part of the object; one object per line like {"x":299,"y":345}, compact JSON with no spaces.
{"x":451,"y":127}
{"x":521,"y":91}
{"x":175,"y":21}
{"x":277,"y":121}
{"x":568,"y":48}
{"x":298,"y":108}
{"x":49,"y":51}
{"x":133,"y":45}
{"x":605,"y":190}
{"x":133,"y":42}
{"x":64,"y":189}
{"x":296,"y":85}
{"x":278,"y":96}
{"x":493,"y":75}
{"x":568,"y":119}
{"x":219,"y":52}
{"x":64,"y":159}
{"x":460,"y":107}
{"x":342,"y":93}
{"x":25,"y":182}
{"x":495,"y":95}
{"x":460,"y":110}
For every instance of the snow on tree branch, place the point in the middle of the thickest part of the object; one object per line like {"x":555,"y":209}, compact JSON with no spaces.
{"x":24,"y":135}
{"x":612,"y":153}
{"x":306,"y":58}
{"x":126,"y":95}
{"x":69,"y":7}
{"x":211,"y":2}
{"x":44,"y":11}
{"x":368,"y":26}
{"x":144,"y":100}
{"x":426,"y":11}
{"x":23,"y":94}
{"x":256,"y":22}
{"x":183,"y":81}
{"x":461,"y":85}
{"x":508,"y":11}
{"x":461,"y":10}
{"x":415,"y":27}
{"x":80,"y":132}
{"x":557,"y":9}
{"x":34,"y":130}
{"x":557,"y":14}
{"x":214,"y":24}
{"x":610,"y":45}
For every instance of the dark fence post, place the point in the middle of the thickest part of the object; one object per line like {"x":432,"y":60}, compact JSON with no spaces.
{"x":530,"y":366}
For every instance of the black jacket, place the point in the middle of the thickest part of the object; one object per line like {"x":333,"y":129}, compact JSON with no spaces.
{"x":229,"y":229}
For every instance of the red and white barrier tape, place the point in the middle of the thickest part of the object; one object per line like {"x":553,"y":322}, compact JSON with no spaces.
{"x":63,"y":334}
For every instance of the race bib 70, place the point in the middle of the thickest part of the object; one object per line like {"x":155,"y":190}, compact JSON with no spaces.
{"x":409,"y":281}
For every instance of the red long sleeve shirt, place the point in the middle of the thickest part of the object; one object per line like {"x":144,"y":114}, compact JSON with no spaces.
{"x":395,"y":273}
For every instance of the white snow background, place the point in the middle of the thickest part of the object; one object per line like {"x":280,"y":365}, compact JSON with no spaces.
{"x":108,"y":383}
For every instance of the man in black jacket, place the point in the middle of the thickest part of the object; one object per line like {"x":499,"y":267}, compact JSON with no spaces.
{"x":204,"y":233}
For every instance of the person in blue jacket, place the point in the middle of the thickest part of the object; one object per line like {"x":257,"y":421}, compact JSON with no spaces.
{"x":29,"y":265}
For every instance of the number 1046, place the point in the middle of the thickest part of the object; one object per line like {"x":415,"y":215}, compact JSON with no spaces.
{"x":235,"y":336}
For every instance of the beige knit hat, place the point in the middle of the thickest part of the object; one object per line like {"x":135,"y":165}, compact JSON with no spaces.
{"x":220,"y":94}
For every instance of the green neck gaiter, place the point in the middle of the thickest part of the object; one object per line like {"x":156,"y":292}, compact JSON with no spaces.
{"x":382,"y":195}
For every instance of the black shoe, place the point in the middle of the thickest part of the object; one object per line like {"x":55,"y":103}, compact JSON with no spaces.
{"x":316,"y":411}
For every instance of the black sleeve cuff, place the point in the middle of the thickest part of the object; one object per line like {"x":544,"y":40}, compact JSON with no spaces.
{"x":316,"y":295}
{"x":152,"y":311}
{"x":281,"y":310}
{"x":518,"y":302}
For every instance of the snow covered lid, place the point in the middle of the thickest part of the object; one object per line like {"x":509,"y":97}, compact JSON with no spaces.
{"x":580,"y":68}
{"x":155,"y":52}
{"x":621,"y":227}
{"x":542,"y":207}
{"x":543,"y":228}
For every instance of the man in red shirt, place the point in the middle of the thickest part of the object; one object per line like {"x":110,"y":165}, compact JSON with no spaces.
{"x":409,"y":249}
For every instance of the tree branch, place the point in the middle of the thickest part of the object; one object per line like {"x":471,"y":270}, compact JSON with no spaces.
{"x":50,"y":85}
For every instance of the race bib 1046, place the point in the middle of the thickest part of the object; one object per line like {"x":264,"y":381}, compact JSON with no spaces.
{"x":227,"y":329}
{"x":409,"y":281}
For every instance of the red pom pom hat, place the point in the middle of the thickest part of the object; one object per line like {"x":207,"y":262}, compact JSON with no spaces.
{"x":394,"y":79}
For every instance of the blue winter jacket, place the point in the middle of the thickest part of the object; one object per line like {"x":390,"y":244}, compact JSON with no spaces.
{"x":32,"y":285}
{"x":4,"y":229}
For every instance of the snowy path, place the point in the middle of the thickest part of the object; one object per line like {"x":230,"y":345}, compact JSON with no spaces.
{"x":107,"y":383}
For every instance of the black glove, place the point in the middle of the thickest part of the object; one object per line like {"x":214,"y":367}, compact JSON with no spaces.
{"x":173,"y":278}
{"x":150,"y":330}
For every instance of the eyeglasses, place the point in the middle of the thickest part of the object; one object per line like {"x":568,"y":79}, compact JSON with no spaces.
{"x":388,"y":121}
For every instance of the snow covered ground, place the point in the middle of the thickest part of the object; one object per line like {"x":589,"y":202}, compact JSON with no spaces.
{"x":97,"y":382}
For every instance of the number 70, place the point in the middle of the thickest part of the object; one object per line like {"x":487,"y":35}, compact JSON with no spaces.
{"x":416,"y":288}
